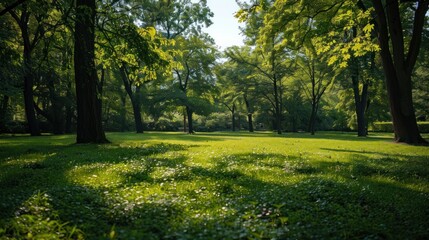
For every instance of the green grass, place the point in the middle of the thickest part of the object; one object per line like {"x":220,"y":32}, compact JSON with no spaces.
{"x":214,"y":186}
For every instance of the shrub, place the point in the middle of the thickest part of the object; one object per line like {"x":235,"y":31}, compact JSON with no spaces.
{"x":388,"y":127}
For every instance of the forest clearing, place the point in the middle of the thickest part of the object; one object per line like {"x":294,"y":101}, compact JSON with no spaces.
{"x":213,"y":186}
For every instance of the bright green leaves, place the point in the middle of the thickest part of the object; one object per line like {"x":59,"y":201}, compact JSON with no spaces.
{"x":339,"y":28}
{"x":354,"y":36}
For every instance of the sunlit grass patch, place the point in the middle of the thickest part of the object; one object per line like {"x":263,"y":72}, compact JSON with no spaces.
{"x":221,"y":185}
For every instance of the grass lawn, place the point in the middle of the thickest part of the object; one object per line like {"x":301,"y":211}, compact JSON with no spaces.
{"x":214,"y":186}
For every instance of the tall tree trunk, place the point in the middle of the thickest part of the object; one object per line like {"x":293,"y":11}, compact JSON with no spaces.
{"x":249,"y":114}
{"x":184,"y":120}
{"x":57,"y":109}
{"x":135,"y":99}
{"x":360,"y":108}
{"x":89,"y":123}
{"x":69,"y":109}
{"x":233,"y":117}
{"x":250,"y":122}
{"x":190,"y":121}
{"x":360,"y":99}
{"x":312,"y":118}
{"x":137,"y":110}
{"x":278,"y":115}
{"x":398,"y":65}
{"x":33,"y":123}
{"x":4,"y":115}
{"x":123,"y":112}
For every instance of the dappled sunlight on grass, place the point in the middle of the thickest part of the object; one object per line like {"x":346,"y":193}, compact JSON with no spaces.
{"x":222,"y":185}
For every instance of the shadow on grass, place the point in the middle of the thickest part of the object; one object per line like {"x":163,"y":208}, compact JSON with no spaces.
{"x":225,"y":200}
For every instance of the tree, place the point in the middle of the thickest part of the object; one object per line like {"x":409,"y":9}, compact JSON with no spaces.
{"x":31,"y":35}
{"x":89,"y":124}
{"x":195,"y":78}
{"x":9,"y":71}
{"x":295,"y":20}
{"x":399,"y":61}
{"x":271,"y":67}
{"x":315,"y":77}
{"x":237,"y":87}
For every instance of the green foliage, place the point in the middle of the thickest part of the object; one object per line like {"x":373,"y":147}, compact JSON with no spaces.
{"x":36,"y":219}
{"x":217,"y":186}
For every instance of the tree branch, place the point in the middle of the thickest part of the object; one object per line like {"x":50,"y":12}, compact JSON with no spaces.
{"x":11,"y":7}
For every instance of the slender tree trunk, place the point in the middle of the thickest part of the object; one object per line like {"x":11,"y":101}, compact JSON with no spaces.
{"x":250,"y":122}
{"x":69,"y":109}
{"x":360,"y":108}
{"x":233,"y":117}
{"x":57,"y":111}
{"x":89,"y":123}
{"x":190,"y":122}
{"x":4,"y":115}
{"x":249,"y":114}
{"x":33,"y":123}
{"x":184,"y":120}
{"x":135,"y":100}
{"x":278,"y":115}
{"x":123,"y":112}
{"x":4,"y":106}
{"x":360,"y":99}
{"x":313,"y":114}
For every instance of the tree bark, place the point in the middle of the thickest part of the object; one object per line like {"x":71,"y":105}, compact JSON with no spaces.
{"x":312,"y":117}
{"x":249,"y":114}
{"x":22,"y":20}
{"x":123,"y":112}
{"x":233,"y":117}
{"x":33,"y":123}
{"x":278,"y":115}
{"x":89,"y":123}
{"x":190,"y":121}
{"x":137,"y":110}
{"x":69,"y":109}
{"x":360,"y":99}
{"x":184,"y":120}
{"x":135,"y":99}
{"x":4,"y":115}
{"x":398,"y":65}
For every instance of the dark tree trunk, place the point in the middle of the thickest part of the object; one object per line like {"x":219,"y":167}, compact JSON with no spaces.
{"x":4,"y":112}
{"x":398,"y":65}
{"x":233,"y":117}
{"x":362,"y":130}
{"x":185,"y":125}
{"x":249,"y":114}
{"x":89,"y":123}
{"x":33,"y":124}
{"x":250,"y":122}
{"x":69,"y":109}
{"x":360,"y":98}
{"x":135,"y":99}
{"x":57,"y":108}
{"x":100,"y":85}
{"x":277,"y":113}
{"x":4,"y":106}
{"x":190,"y":122}
{"x":123,"y":112}
{"x":311,"y":124}
{"x":137,"y":110}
